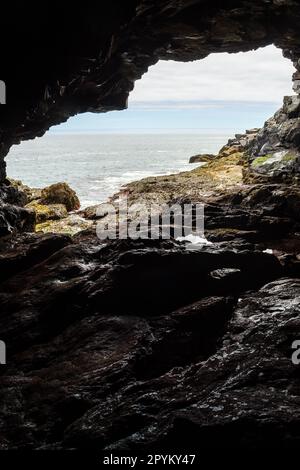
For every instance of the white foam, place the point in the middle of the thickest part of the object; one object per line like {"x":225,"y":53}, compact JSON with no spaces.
{"x":194,"y":239}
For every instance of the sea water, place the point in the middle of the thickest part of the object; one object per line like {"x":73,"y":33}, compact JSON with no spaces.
{"x":98,"y":165}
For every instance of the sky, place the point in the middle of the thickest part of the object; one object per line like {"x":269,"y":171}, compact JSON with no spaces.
{"x":221,"y":92}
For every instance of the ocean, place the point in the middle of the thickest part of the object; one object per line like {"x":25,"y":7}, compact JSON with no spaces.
{"x":97,"y":165}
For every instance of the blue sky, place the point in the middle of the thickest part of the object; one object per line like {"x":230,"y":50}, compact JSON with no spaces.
{"x":223,"y":91}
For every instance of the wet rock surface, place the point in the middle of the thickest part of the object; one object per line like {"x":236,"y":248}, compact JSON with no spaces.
{"x":144,"y":345}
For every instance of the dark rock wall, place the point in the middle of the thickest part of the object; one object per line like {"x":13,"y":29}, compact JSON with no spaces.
{"x":129,"y":346}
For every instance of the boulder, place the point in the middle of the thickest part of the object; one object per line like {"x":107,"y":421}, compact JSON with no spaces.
{"x":60,"y":193}
{"x":28,"y":194}
{"x":47,"y":212}
{"x":202,"y":158}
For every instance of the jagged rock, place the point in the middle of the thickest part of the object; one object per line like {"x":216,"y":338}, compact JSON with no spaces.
{"x":92,"y":212}
{"x":15,"y":219}
{"x":13,"y":216}
{"x":274,"y":153}
{"x":45,"y":212}
{"x":229,"y":150}
{"x":11,"y":194}
{"x":233,"y":210}
{"x":69,"y":224}
{"x":254,"y":213}
{"x":60,"y":193}
{"x":51,"y":204}
{"x":255,"y":130}
{"x":202,"y":158}
{"x":29,"y":194}
{"x":279,"y":166}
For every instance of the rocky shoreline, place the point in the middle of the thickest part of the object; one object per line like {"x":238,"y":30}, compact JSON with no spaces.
{"x":233,"y":186}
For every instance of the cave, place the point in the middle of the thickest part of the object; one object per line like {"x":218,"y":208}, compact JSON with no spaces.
{"x":144,"y":346}
{"x":98,"y":153}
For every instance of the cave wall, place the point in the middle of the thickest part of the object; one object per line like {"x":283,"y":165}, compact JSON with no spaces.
{"x":60,"y":60}
{"x":90,"y":364}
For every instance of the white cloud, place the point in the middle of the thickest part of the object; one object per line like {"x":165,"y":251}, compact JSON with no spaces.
{"x":262,"y":75}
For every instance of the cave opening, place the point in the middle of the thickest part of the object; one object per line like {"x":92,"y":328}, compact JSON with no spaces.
{"x":175,"y":111}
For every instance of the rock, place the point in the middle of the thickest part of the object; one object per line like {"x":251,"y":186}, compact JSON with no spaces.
{"x":239,"y":144}
{"x":254,"y":213}
{"x":52,"y":204}
{"x":92,"y":212}
{"x":20,"y":252}
{"x":15,"y":219}
{"x":137,"y":346}
{"x":274,"y":167}
{"x":202,"y":158}
{"x":291,"y":106}
{"x":221,"y":174}
{"x":231,"y":234}
{"x":13,"y":216}
{"x":47,"y":212}
{"x":60,"y":193}
{"x":255,"y":353}
{"x":12,"y":193}
{"x":229,"y":150}
{"x":274,"y":154}
{"x":29,"y":194}
{"x":69,"y":225}
{"x":92,"y":373}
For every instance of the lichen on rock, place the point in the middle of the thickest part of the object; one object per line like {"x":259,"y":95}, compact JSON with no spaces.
{"x":60,"y":193}
{"x":47,"y":212}
{"x":69,"y":225}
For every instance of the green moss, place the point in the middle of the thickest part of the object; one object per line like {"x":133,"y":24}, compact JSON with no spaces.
{"x":289,"y":157}
{"x":261,"y":160}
